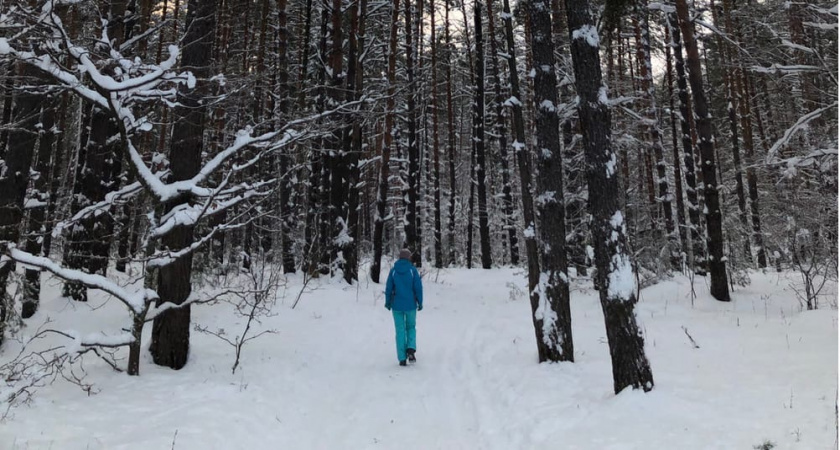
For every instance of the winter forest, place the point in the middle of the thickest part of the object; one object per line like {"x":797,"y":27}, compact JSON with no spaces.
{"x":221,"y":187}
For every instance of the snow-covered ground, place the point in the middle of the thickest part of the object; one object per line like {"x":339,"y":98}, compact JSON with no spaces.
{"x":764,"y":371}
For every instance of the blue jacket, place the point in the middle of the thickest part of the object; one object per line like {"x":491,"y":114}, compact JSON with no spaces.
{"x":404,"y":289}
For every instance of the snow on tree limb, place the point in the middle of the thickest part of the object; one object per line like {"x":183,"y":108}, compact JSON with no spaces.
{"x":195,"y":298}
{"x":790,"y":132}
{"x":785,"y":69}
{"x":110,"y":198}
{"x":47,"y":65}
{"x":135,"y":301}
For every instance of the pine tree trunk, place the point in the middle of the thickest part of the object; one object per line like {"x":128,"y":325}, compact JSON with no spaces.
{"x":521,"y":153}
{"x":8,"y":98}
{"x":413,"y":182}
{"x":435,"y":103}
{"x":615,"y":277}
{"x":717,"y":265}
{"x":388,"y":138}
{"x":501,"y":133}
{"x":320,"y":177}
{"x":312,"y":226}
{"x":478,"y":127}
{"x":552,"y":315}
{"x":90,"y":242}
{"x":655,"y":134}
{"x":691,"y":189}
{"x":733,"y":104}
{"x":678,"y":183}
{"x":422,"y":126}
{"x":59,"y":165}
{"x":336,"y":159}
{"x":573,"y":179}
{"x":39,"y":199}
{"x":13,"y":184}
{"x":353,"y":140}
{"x":287,"y":186}
{"x":171,"y":330}
{"x":450,"y":138}
{"x":744,"y":97}
{"x":471,"y":204}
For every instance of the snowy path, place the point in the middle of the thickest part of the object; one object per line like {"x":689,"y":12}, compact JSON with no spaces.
{"x":330,"y":380}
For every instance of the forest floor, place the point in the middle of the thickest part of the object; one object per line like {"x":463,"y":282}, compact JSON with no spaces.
{"x":762,"y":370}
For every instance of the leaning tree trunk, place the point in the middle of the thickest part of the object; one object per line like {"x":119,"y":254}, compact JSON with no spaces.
{"x":171,"y":330}
{"x":478,"y":130}
{"x":616,"y":276}
{"x":552,"y":315}
{"x":717,"y":265}
{"x":521,"y":153}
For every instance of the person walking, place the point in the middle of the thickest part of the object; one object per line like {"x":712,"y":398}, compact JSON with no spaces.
{"x":404,"y":297}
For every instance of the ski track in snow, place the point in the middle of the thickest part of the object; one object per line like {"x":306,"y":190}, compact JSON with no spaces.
{"x":329,"y":378}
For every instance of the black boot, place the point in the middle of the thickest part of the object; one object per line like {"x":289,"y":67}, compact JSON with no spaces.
{"x":411,"y":357}
{"x":402,"y":363}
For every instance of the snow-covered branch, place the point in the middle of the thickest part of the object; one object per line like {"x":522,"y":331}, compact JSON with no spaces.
{"x":785,"y":69}
{"x":194,"y":299}
{"x":111,"y":198}
{"x":135,"y":301}
{"x":790,"y":132}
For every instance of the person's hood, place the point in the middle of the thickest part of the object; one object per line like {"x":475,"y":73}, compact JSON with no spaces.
{"x":403,"y":266}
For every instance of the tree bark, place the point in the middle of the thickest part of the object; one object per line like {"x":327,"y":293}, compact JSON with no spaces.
{"x":171,"y":330}
{"x":747,"y":133}
{"x":733,"y":100}
{"x":90,"y":242}
{"x":478,"y":130}
{"x":388,"y":138}
{"x":39,"y":198}
{"x":521,"y":153}
{"x":413,"y":182}
{"x":655,"y":134}
{"x":287,"y":186}
{"x":553,"y":314}
{"x":501,"y":135}
{"x":15,"y":178}
{"x":717,"y":265}
{"x":691,"y":189}
{"x":678,"y":179}
{"x":616,"y":276}
{"x":450,"y":138}
{"x":353,"y":140}
{"x":435,"y":103}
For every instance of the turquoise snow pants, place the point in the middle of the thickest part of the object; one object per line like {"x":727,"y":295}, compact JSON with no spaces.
{"x":404,"y":322}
